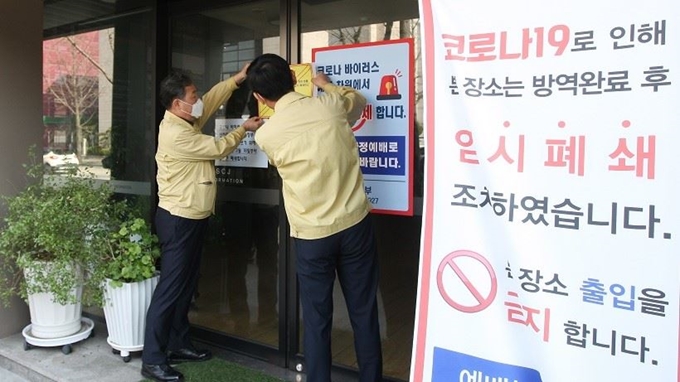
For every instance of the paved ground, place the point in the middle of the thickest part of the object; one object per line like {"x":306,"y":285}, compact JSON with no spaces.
{"x":93,"y":166}
{"x":92,"y":360}
{"x":8,"y":376}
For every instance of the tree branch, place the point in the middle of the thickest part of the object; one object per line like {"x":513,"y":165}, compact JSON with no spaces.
{"x":92,"y":61}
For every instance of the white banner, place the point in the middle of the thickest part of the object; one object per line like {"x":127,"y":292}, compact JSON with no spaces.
{"x":550,"y":229}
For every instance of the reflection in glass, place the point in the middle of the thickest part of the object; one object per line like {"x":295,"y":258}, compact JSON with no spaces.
{"x":98,"y":100}
{"x":238,"y":285}
{"x":77,"y":83}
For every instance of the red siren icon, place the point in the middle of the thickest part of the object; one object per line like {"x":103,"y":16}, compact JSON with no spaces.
{"x":389,"y":88}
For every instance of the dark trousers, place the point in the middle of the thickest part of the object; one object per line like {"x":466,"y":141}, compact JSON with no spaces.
{"x":167,"y":321}
{"x":352,"y":254}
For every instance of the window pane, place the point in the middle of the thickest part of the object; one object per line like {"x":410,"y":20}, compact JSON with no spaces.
{"x":98,"y":105}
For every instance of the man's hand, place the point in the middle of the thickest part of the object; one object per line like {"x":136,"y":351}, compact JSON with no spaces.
{"x":241,"y":76}
{"x":253,"y":123}
{"x":321,"y":79}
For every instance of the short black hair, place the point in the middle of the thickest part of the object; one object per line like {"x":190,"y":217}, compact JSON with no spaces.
{"x":269,"y":75}
{"x":173,"y":86}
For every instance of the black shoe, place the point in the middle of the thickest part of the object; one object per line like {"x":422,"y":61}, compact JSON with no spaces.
{"x":188,"y":355}
{"x":161,"y":373}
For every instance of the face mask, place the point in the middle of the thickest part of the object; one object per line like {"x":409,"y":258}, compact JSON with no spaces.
{"x":196,"y":109}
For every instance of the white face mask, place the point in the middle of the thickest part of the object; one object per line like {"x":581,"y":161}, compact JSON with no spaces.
{"x":196,"y":109}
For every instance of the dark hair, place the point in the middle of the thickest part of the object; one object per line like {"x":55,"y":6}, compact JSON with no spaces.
{"x":173,"y":86}
{"x":269,"y":75}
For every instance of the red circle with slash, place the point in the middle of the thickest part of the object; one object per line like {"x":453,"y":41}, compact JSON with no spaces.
{"x":360,"y":123}
{"x":450,"y":262}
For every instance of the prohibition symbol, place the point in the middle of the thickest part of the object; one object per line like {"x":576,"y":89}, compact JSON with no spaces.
{"x":360,"y":123}
{"x":450,"y":263}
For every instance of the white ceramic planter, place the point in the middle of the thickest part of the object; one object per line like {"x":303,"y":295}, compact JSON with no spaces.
{"x":125,"y":311}
{"x":50,"y":319}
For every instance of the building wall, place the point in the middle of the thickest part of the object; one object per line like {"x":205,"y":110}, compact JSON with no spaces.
{"x":21,"y":110}
{"x":60,"y":57}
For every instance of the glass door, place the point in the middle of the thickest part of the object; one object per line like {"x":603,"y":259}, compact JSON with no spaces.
{"x":326,"y":23}
{"x":247,"y":297}
{"x":238,"y":302}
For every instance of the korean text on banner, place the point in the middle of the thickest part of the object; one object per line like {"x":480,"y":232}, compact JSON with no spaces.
{"x":550,"y":235}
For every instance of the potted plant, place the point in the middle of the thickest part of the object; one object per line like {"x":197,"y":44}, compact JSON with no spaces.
{"x":128,"y":268}
{"x":45,"y":248}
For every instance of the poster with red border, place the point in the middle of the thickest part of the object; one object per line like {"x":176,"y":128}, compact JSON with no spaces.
{"x":549,"y":248}
{"x":383,"y":72}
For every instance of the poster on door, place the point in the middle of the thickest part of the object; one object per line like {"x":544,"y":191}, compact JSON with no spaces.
{"x":551,"y":220}
{"x":383,"y":72}
{"x":247,"y":154}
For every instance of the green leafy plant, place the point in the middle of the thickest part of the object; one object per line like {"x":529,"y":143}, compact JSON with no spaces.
{"x":53,"y":229}
{"x":131,"y":253}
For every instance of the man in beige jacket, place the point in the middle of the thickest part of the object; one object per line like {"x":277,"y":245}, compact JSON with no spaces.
{"x":186,"y":199}
{"x":310,"y":141}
